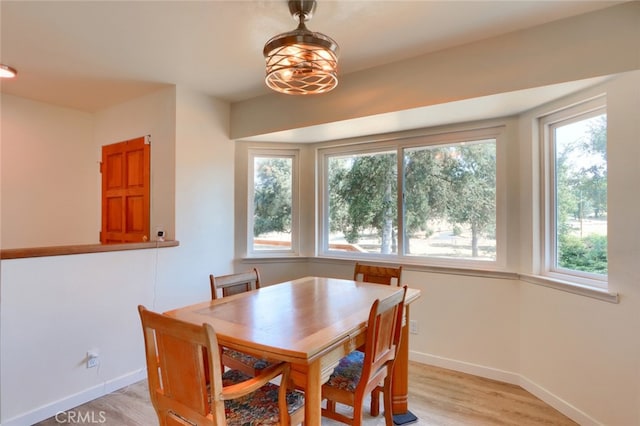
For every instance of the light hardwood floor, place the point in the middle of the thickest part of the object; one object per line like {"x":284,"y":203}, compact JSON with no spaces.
{"x":436,"y":396}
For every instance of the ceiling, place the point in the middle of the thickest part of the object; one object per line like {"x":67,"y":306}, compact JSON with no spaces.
{"x":88,"y":55}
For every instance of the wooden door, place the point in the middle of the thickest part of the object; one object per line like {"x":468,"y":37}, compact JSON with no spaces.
{"x":125,"y":171}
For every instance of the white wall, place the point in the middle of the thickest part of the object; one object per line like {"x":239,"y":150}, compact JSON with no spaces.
{"x":50,"y":175}
{"x":585,"y":351}
{"x":51,"y":182}
{"x":204,"y":198}
{"x":153,"y":115}
{"x":54,"y":309}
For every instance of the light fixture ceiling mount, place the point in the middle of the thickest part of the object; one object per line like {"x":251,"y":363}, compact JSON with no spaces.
{"x":301,"y":62}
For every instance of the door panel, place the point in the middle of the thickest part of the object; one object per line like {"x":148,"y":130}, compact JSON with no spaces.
{"x":125,"y":192}
{"x":135,"y":213}
{"x":113,"y":164}
{"x":114,"y":214}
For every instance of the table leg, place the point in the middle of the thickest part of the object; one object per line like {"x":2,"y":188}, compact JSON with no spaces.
{"x":400,"y":383}
{"x":313,"y":396}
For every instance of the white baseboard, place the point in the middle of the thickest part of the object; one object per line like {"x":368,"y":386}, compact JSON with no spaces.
{"x":72,"y":401}
{"x":559,"y":404}
{"x":466,"y":367}
{"x":545,"y":395}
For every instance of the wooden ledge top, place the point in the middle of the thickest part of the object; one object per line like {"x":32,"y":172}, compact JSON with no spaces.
{"x":21,"y":253}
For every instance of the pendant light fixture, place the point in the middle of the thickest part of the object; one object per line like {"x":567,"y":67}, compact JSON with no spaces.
{"x":301,"y":62}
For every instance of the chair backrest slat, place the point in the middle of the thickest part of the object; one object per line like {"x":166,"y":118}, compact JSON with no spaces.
{"x":182,"y":372}
{"x":227,"y":285}
{"x":377,"y":274}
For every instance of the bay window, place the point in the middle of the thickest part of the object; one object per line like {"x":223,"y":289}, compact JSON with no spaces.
{"x":430,"y":199}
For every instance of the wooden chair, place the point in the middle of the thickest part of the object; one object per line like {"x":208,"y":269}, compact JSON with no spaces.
{"x":188,"y":389}
{"x":377,"y":274}
{"x":227,"y":285}
{"x":359,"y":373}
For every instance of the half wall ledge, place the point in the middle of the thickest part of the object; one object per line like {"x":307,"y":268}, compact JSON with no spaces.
{"x":21,"y":253}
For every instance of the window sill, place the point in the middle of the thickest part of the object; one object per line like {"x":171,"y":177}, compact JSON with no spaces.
{"x":21,"y":253}
{"x":474,"y":272}
{"x":249,"y":260}
{"x":583,"y":290}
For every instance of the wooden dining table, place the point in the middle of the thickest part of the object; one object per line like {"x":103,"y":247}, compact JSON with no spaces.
{"x":311,"y":322}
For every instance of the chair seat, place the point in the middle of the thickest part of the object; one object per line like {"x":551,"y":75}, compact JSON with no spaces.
{"x":347,"y":374}
{"x":260,"y":407}
{"x":246,"y":359}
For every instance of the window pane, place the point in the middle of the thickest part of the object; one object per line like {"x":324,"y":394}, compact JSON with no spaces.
{"x":450,"y":201}
{"x":363,"y":203}
{"x":581,"y":195}
{"x":272,"y":203}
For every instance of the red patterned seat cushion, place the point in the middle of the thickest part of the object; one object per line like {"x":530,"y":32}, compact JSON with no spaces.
{"x":259,"y":408}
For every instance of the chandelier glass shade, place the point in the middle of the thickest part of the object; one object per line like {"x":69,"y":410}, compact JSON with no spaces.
{"x":301,"y":62}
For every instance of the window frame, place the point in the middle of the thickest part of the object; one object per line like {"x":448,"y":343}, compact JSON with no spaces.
{"x":548,"y":212}
{"x":294,"y":155}
{"x":323,"y":195}
{"x":399,"y":144}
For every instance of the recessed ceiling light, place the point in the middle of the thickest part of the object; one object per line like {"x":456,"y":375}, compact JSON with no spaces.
{"x":7,"y":72}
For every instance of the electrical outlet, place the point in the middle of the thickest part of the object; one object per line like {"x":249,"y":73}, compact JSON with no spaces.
{"x":92,"y":359}
{"x":413,"y":326}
